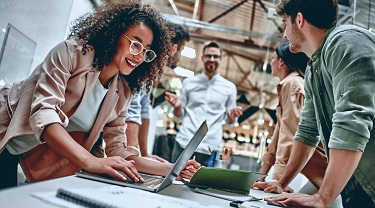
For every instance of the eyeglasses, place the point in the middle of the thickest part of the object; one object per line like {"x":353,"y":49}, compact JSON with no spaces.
{"x":136,"y":48}
{"x":208,"y":56}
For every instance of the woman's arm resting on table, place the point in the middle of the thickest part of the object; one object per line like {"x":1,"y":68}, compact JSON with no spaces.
{"x":59,"y":139}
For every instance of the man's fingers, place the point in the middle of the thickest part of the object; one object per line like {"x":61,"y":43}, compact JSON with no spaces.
{"x":186,"y":174}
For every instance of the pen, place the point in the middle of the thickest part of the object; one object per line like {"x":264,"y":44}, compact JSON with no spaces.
{"x":228,"y":154}
{"x":211,"y":162}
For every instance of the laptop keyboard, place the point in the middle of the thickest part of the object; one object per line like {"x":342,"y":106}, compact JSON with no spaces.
{"x":151,"y":181}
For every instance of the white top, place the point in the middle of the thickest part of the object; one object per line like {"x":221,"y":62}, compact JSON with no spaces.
{"x":83,"y":119}
{"x":203,"y":99}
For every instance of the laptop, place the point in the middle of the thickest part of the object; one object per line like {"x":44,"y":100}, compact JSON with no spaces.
{"x":155,"y":183}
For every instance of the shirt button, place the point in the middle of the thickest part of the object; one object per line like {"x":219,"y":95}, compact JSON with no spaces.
{"x":316,"y":71}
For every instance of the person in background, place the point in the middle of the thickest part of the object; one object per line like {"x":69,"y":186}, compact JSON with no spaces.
{"x":290,"y":69}
{"x":84,"y":86}
{"x":339,"y":106}
{"x":207,"y":96}
{"x":138,"y":114}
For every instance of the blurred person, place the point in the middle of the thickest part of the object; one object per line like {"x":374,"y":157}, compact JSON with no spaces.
{"x":290,"y":68}
{"x":138,"y":118}
{"x":206,"y":96}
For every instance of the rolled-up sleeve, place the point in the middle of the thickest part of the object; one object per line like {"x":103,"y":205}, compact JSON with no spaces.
{"x":115,"y":138}
{"x":134,"y":111}
{"x":139,"y":107}
{"x":352,"y":68}
{"x":145,"y":106}
{"x":49,"y":92}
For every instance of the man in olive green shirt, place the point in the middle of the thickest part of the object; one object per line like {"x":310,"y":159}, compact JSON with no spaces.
{"x":339,"y":106}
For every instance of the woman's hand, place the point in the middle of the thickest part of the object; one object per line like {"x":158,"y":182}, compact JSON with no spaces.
{"x":190,"y":169}
{"x":115,"y":166}
{"x":271,"y":187}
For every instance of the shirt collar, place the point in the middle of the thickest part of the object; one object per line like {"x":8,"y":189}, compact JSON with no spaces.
{"x":216,"y":76}
{"x":291,"y":75}
{"x":317,"y":53}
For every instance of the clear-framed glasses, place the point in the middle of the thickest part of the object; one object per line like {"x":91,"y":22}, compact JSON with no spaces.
{"x":136,"y":48}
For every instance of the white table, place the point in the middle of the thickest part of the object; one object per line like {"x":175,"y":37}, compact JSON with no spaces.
{"x":21,"y":196}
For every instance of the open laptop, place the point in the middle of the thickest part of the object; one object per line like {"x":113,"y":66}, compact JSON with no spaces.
{"x":155,"y":183}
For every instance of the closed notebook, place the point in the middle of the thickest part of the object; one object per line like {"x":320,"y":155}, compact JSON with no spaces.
{"x":235,"y":181}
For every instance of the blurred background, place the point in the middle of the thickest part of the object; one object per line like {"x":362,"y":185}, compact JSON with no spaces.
{"x":247,"y":30}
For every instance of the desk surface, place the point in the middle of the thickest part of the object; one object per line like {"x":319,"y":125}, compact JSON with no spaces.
{"x":21,"y":196}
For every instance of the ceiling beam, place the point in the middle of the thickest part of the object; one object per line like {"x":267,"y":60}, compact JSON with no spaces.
{"x":220,"y":28}
{"x":246,"y":74}
{"x":227,"y":11}
{"x":185,"y":7}
{"x":273,"y":20}
{"x":174,"y":7}
{"x":198,"y":7}
{"x":253,"y":16}
{"x":246,"y":44}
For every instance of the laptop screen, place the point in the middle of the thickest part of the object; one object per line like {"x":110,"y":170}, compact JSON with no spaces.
{"x":185,"y":155}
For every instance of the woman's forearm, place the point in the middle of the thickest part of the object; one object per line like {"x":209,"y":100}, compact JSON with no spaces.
{"x":143,"y":165}
{"x":58,"y":138}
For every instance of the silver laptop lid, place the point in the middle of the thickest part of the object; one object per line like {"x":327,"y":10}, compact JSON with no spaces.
{"x":185,"y":155}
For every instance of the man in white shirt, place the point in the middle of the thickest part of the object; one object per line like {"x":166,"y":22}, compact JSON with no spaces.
{"x":206,"y":96}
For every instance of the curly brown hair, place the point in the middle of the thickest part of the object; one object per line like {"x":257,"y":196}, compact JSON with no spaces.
{"x":102,"y":29}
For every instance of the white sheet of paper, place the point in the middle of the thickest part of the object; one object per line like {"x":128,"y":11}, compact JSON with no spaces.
{"x":121,"y":197}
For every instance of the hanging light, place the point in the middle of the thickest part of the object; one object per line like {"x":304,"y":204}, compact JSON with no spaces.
{"x":260,"y":118}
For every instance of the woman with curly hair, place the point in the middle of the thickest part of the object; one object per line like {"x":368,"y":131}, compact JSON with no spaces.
{"x":50,"y":121}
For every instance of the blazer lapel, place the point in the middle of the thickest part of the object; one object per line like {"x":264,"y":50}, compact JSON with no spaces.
{"x":104,"y":113}
{"x":91,"y":78}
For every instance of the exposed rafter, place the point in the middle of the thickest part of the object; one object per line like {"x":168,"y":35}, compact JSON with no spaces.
{"x":227,"y":11}
{"x":220,"y":28}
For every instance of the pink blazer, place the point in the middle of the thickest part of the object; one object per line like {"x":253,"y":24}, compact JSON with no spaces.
{"x":55,"y":90}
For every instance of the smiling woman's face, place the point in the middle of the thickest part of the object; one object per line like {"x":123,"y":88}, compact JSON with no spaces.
{"x":124,"y":60}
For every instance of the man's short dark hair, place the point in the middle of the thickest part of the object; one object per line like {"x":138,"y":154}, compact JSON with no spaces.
{"x":211,"y":44}
{"x":319,"y":13}
{"x":181,"y":35}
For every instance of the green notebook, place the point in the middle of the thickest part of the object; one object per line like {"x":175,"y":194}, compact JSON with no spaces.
{"x":235,"y":181}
